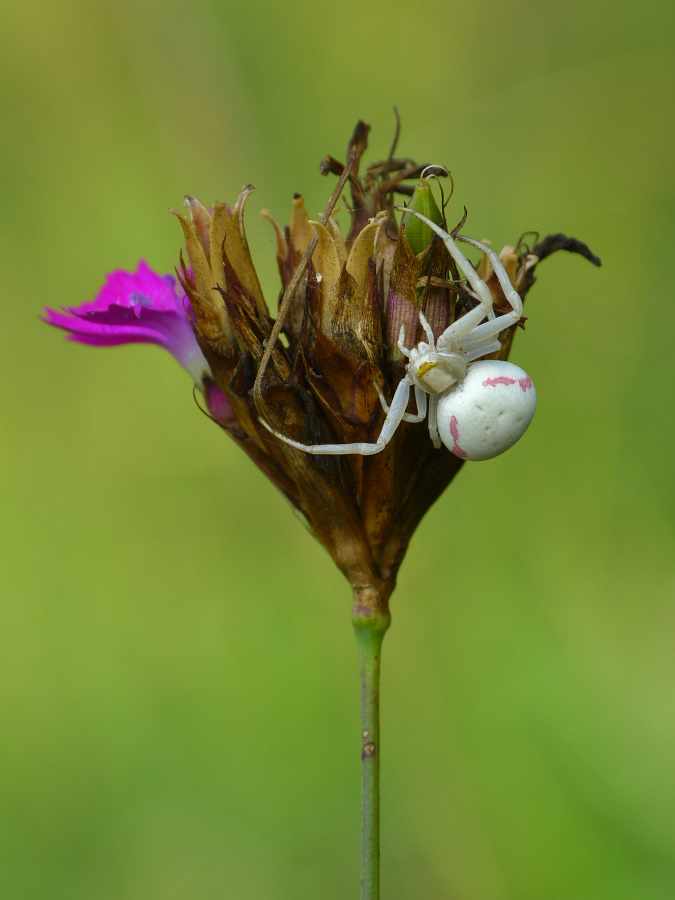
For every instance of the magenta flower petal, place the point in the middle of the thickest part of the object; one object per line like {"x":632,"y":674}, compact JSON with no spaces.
{"x":136,"y":307}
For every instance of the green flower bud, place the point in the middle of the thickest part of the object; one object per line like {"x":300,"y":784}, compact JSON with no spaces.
{"x":418,"y":234}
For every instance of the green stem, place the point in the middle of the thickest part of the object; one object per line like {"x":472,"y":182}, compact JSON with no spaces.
{"x":370,"y":624}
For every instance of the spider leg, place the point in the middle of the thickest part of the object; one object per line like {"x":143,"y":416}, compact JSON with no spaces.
{"x":433,"y":420}
{"x":482,"y":339}
{"x":420,"y":400}
{"x":510,"y":292}
{"x":487,"y":333}
{"x":472,"y":352}
{"x":395,"y":415}
{"x":475,"y":316}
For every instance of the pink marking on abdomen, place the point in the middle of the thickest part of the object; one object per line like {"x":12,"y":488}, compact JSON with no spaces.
{"x":454,"y":431}
{"x":525,"y":383}
{"x":492,"y":382}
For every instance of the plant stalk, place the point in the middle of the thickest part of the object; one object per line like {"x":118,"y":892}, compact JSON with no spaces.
{"x":370,"y":624}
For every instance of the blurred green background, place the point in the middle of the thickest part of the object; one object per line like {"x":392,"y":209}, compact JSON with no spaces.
{"x":178,"y":680}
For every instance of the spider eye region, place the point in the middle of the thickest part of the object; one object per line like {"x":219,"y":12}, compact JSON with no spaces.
{"x":425,"y":367}
{"x":488,"y":411}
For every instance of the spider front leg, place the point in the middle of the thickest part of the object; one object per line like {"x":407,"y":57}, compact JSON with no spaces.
{"x":475,"y":316}
{"x":395,"y":416}
{"x":510,"y":292}
{"x":478,"y":337}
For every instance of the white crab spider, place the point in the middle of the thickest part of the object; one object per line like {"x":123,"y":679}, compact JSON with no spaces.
{"x":477,"y":409}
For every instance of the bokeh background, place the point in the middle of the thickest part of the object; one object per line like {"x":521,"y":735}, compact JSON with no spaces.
{"x":178,"y":679}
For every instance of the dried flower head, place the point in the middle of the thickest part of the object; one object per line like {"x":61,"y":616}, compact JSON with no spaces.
{"x":350,"y":304}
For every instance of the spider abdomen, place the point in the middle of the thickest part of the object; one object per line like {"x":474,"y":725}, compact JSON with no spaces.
{"x":488,"y":411}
